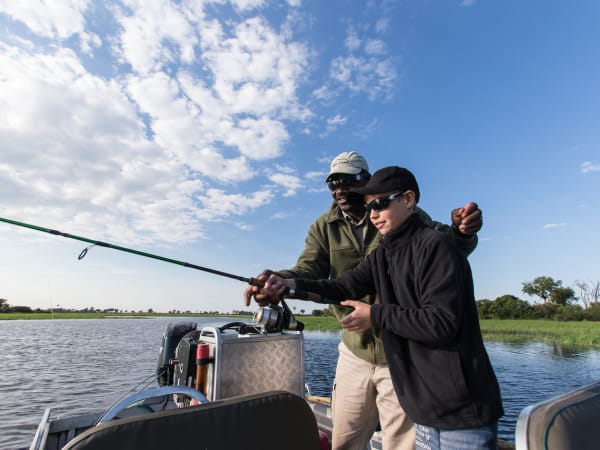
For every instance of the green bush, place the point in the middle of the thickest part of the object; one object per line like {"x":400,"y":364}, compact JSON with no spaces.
{"x":592,"y":312}
{"x":484,"y":308}
{"x":504,"y":307}
{"x":568,"y":312}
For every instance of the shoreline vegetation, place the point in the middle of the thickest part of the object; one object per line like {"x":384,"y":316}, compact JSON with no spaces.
{"x":568,"y":333}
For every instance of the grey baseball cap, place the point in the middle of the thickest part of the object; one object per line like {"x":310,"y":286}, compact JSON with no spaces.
{"x":348,"y":162}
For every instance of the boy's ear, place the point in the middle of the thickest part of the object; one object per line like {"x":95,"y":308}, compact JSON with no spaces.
{"x":410,"y":197}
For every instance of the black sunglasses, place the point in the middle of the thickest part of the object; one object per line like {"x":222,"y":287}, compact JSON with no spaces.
{"x":348,"y":181}
{"x":379,"y":204}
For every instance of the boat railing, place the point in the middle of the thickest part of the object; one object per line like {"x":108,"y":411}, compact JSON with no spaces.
{"x":122,"y":404}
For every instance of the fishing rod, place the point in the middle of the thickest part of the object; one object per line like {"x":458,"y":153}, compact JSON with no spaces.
{"x":289,"y":292}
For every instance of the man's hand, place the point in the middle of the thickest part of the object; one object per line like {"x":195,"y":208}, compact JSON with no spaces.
{"x":358,"y":320}
{"x":276,"y":287}
{"x":260,"y":298}
{"x":468,"y":219}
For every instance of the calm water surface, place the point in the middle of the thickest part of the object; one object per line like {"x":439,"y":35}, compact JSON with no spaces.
{"x":83,"y":366}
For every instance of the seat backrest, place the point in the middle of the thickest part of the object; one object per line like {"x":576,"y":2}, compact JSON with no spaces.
{"x":269,"y":421}
{"x":569,"y":421}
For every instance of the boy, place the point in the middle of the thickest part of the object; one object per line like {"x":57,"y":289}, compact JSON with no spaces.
{"x":439,"y":366}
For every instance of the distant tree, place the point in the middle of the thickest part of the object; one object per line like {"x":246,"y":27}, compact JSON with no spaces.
{"x":541,"y":287}
{"x":589,"y":294}
{"x":592,"y":312}
{"x":3,"y":304}
{"x":317,"y":312}
{"x":20,"y":309}
{"x":543,"y":311}
{"x":328,"y":312}
{"x":508,"y":307}
{"x":562,"y":296}
{"x":484,"y":308}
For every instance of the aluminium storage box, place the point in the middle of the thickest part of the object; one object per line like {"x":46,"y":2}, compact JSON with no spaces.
{"x":245,"y":364}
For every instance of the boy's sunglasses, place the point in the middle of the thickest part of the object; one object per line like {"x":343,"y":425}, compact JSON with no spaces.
{"x":379,"y":204}
{"x":348,"y":181}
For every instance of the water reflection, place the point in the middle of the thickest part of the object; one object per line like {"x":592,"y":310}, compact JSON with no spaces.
{"x":532,"y":372}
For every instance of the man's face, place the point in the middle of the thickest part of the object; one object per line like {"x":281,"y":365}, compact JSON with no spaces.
{"x":339,"y":185}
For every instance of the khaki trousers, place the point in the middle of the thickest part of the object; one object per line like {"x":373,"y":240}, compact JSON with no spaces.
{"x":363,"y":396}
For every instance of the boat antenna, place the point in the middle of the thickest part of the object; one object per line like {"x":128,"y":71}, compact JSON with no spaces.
{"x":289,"y":293}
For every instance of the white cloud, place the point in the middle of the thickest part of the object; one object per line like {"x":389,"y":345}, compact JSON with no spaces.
{"x":51,"y":19}
{"x":254,"y":79}
{"x":366,"y":69}
{"x":153,"y":144}
{"x":375,"y":47}
{"x":156,"y":33}
{"x":218,"y":204}
{"x":243,"y":5}
{"x":550,"y":226}
{"x":324,"y":94}
{"x":367,"y":129}
{"x":371,"y":76}
{"x":283,"y":215}
{"x":316,"y":175}
{"x":88,"y":42}
{"x":90,"y":149}
{"x":86,"y":159}
{"x":285,"y":177}
{"x":587,"y":167}
{"x":382,"y":25}
{"x":335,"y":122}
{"x":352,"y":42}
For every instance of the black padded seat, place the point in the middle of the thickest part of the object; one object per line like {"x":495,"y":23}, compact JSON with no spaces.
{"x":569,"y":421}
{"x":269,"y":421}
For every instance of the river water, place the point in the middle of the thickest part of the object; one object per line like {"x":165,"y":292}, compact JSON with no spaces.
{"x":83,"y":366}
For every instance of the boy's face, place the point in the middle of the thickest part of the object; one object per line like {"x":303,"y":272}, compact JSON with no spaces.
{"x":387,"y":214}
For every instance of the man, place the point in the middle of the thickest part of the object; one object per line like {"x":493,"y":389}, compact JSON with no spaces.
{"x":339,"y":240}
{"x":428,"y":316}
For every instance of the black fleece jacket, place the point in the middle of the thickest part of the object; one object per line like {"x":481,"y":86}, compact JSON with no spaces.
{"x":428,"y":315}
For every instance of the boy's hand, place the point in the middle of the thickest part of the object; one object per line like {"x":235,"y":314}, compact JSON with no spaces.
{"x":358,"y":320}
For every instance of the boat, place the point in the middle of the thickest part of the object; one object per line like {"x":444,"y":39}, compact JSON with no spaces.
{"x":241,"y":386}
{"x":237,"y":385}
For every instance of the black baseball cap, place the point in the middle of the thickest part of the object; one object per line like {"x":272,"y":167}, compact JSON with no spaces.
{"x":390,"y":179}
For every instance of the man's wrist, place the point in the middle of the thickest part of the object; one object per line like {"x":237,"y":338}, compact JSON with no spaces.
{"x":459,"y":233}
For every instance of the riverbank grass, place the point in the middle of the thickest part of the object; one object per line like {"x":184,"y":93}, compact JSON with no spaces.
{"x":585,"y":334}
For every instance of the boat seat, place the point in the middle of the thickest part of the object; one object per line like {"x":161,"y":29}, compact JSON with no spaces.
{"x":567,"y":422}
{"x":269,"y":421}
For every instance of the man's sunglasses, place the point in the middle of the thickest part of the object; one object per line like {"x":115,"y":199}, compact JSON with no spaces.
{"x":379,"y":204}
{"x":348,"y":181}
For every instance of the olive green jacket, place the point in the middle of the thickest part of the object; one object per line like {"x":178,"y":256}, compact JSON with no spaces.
{"x":331,"y":248}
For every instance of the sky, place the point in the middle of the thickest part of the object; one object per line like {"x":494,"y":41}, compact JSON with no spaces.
{"x":202,"y":131}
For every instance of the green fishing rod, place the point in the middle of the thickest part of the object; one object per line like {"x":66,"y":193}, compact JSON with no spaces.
{"x":290,"y":293}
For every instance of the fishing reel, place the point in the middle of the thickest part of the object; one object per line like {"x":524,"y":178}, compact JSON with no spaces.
{"x":275,"y":318}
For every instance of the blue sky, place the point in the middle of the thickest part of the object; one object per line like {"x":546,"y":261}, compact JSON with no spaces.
{"x":202,"y":131}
